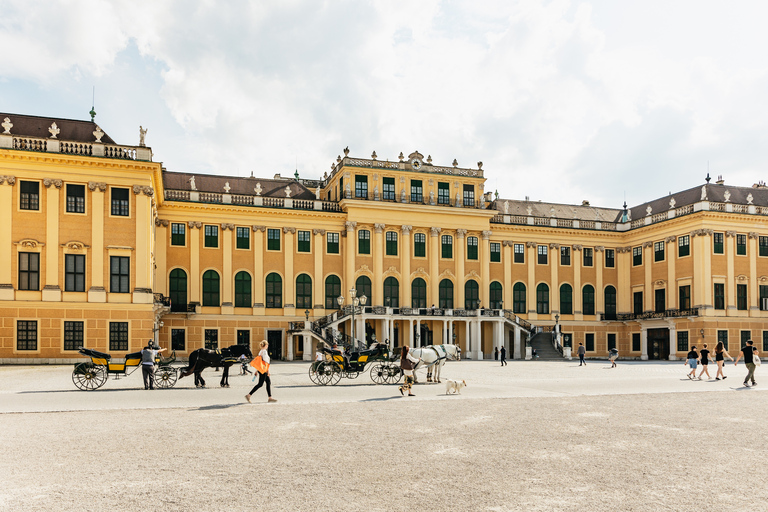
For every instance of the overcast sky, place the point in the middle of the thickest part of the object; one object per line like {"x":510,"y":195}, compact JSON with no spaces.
{"x":561,"y":100}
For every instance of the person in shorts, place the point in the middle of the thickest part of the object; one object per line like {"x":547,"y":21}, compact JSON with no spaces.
{"x":692,"y":360}
{"x":613,"y":354}
{"x":704,"y":355}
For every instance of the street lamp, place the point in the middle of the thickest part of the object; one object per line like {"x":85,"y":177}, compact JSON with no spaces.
{"x":355,"y":303}
{"x":306,"y":314}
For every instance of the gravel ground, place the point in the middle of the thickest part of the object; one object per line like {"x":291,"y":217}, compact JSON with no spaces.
{"x":534,"y":436}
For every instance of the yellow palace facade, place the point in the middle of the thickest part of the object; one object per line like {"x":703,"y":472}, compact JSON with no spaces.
{"x":102,"y":247}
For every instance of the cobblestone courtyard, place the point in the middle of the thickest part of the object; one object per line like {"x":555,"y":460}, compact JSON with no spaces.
{"x":530,"y":436}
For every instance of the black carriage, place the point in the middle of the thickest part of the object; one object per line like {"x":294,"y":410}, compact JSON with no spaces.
{"x":94,"y":373}
{"x":337,"y":364}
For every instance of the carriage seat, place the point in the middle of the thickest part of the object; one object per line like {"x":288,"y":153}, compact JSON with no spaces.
{"x":94,"y":353}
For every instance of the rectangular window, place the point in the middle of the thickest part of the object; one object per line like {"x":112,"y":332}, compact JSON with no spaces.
{"x":211,"y":236}
{"x":565,"y":255}
{"x":74,"y":272}
{"x":541,"y":251}
{"x":762,"y":244}
{"x":469,"y":195}
{"x":636,"y":346}
{"x":29,"y":271}
{"x":611,"y":340}
{"x":763,"y":297}
{"x":118,"y":335}
{"x":745,"y":337}
{"x":419,"y":245}
{"x":391,"y":243}
{"x":495,"y":252}
{"x":682,"y":341}
{"x":273,"y":239}
{"x":364,"y":241}
{"x":244,"y":337}
{"x":332,"y":243}
{"x":361,"y":186}
{"x":587,"y":252}
{"x":447,"y":246}
{"x":178,"y":234}
{"x":30,"y":195}
{"x":303,"y":241}
{"x":719,"y":296}
{"x":637,"y":256}
{"x":765,"y":341}
{"x":589,"y":341}
{"x":120,"y":202}
{"x":243,"y":236}
{"x":660,"y":300}
{"x":388,"y":190}
{"x":443,"y":193}
{"x":741,"y":245}
{"x":73,"y":335}
{"x":471,"y":247}
{"x":685,"y":297}
{"x":75,"y":198}
{"x":119,"y":274}
{"x":683,"y":246}
{"x":722,"y":337}
{"x":637,"y":302}
{"x":26,"y":335}
{"x":658,"y":250}
{"x":741,"y":297}
{"x":610,"y":258}
{"x":212,"y":339}
{"x":417,"y":195}
{"x":718,"y":243}
{"x":519,"y":250}
{"x":178,"y":341}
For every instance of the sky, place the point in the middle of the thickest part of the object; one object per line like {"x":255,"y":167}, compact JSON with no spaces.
{"x":562,"y":100}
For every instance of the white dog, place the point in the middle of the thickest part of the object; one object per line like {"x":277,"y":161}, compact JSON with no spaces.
{"x":454,"y":386}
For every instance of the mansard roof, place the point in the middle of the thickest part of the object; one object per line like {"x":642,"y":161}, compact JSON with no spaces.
{"x":71,"y":129}
{"x":560,"y":211}
{"x":274,"y":187}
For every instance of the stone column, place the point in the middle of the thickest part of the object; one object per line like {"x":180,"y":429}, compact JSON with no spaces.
{"x":730,"y":280}
{"x":289,"y":301}
{"x":597,"y":261}
{"x":142,"y":292}
{"x":6,"y":240}
{"x":650,"y":295}
{"x":52,"y":290}
{"x":753,"y":305}
{"x":161,"y":245}
{"x":508,"y":281}
{"x":377,"y":283}
{"x":97,"y":292}
{"x":349,"y":259}
{"x":194,"y":261}
{"x":673,"y":341}
{"x":307,"y":343}
{"x":554,"y":288}
{"x":319,"y":277}
{"x":530,"y":291}
{"x":518,"y":345}
{"x":624,"y":288}
{"x":485,"y":269}
{"x":577,"y":293}
{"x":672,"y":299}
{"x":405,"y":266}
{"x":434,"y":267}
{"x":460,"y":272}
{"x":644,"y":342}
{"x":227,"y":280}
{"x":258,"y":269}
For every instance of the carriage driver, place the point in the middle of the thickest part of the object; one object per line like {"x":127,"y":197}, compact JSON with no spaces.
{"x":148,"y":356}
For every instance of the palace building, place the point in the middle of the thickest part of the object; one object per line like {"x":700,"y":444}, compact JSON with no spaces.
{"x":102,"y":247}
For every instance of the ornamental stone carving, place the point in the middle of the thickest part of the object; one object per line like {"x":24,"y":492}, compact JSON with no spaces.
{"x":29,"y":243}
{"x":93,"y":185}
{"x":749,"y":198}
{"x":350,"y":224}
{"x":406,"y":229}
{"x":161,"y":222}
{"x":318,"y":231}
{"x":599,"y":248}
{"x":670,"y":239}
{"x":98,"y":133}
{"x":7,"y":125}
{"x":647,"y":244}
{"x":8,"y":179}
{"x":142,"y":135}
{"x":529,"y":210}
{"x":226,"y":226}
{"x":47,"y":182}
{"x":259,"y":228}
{"x":141,"y":189}
{"x":74,"y":246}
{"x":660,"y":282}
{"x":741,"y":277}
{"x":288,"y":230}
{"x":554,"y":246}
{"x":507,"y":243}
{"x":703,"y":193}
{"x":648,"y":211}
{"x":54,"y":130}
{"x":257,"y":189}
{"x":378,"y":228}
{"x":621,"y":250}
{"x":752,"y":235}
{"x":672,"y":203}
{"x":727,"y":196}
{"x":195,"y":224}
{"x":461,"y":233}
{"x":730,"y":234}
{"x":487,"y":235}
{"x":433,"y":231}
{"x":530,"y":244}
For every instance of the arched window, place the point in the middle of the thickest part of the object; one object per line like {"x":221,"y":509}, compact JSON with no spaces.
{"x":303,"y":291}
{"x":211,"y":288}
{"x":610,"y":303}
{"x":391,"y":292}
{"x":471,"y":295}
{"x":274,"y":291}
{"x":178,"y":290}
{"x":446,"y":294}
{"x":542,"y":299}
{"x":418,"y":293}
{"x":363,"y":287}
{"x":332,"y":290}
{"x":566,"y":299}
{"x":588,"y":300}
{"x":518,"y":299}
{"x":243,"y":290}
{"x":496,"y":296}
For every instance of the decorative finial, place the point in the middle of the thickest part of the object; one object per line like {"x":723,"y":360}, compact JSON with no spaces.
{"x":287,"y":191}
{"x":54,"y":130}
{"x":98,"y":133}
{"x":251,"y":174}
{"x":625,"y":204}
{"x":479,"y":165}
{"x":338,"y":160}
{"x":296,"y":175}
{"x":373,"y":155}
{"x":346,"y":151}
{"x":93,"y":114}
{"x":401,"y":156}
{"x":7,"y":125}
{"x":707,"y":178}
{"x":497,"y":194}
{"x":429,"y":159}
{"x":455,"y":163}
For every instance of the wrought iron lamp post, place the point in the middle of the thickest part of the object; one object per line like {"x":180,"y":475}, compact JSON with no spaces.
{"x":355,"y":303}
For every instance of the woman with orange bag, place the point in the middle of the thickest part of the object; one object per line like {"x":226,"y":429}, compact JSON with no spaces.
{"x":261,"y":363}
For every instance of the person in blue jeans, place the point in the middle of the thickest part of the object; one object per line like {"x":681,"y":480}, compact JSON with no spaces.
{"x":582,"y":352}
{"x":749,"y":352}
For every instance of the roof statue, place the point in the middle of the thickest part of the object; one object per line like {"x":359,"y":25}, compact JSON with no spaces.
{"x":317,"y":193}
{"x":98,"y":133}
{"x":257,"y":189}
{"x":55,"y":130}
{"x":227,"y":188}
{"x":192,"y":183}
{"x":142,"y":134}
{"x":704,"y":192}
{"x":7,"y":124}
{"x":727,"y":196}
{"x":287,"y":191}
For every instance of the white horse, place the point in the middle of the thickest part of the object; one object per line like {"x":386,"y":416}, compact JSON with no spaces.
{"x":434,"y":356}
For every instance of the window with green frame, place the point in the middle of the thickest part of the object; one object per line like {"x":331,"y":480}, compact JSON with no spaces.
{"x":363,"y":241}
{"x":361,"y":186}
{"x":495,"y":296}
{"x":518,"y":299}
{"x":471,"y":247}
{"x":637,"y":303}
{"x":685,"y":297}
{"x":419,"y":245}
{"x":391,"y":243}
{"x":211,"y":288}
{"x":243,"y":236}
{"x":388,"y":189}
{"x":718,"y":246}
{"x":211,"y":236}
{"x":722,"y":337}
{"x":609,"y":294}
{"x":745,"y":337}
{"x":332,"y":243}
{"x":762,"y":243}
{"x":418,"y":293}
{"x":741,"y":297}
{"x":443,"y":193}
{"x":682,"y":341}
{"x":495,"y":252}
{"x":471,"y":295}
{"x":391,"y":292}
{"x":566,"y":299}
{"x":332,"y":290}
{"x":542,"y":299}
{"x":763,"y":297}
{"x":243,"y":290}
{"x":588,"y":299}
{"x":765,"y":341}
{"x":303,"y":291}
{"x":273,"y":239}
{"x":636,"y":342}
{"x":304,"y":242}
{"x":741,"y":245}
{"x":519,"y":250}
{"x":610,"y":258}
{"x":417,"y":194}
{"x":587,"y":256}
{"x":658,"y":251}
{"x":363,"y":287}
{"x":611,"y":339}
{"x":589,"y":342}
{"x":178,"y":234}
{"x":177,"y":286}
{"x":447,"y":246}
{"x":637,"y":256}
{"x":683,"y":246}
{"x":274,"y":291}
{"x":446,"y":294}
{"x":719,"y":300}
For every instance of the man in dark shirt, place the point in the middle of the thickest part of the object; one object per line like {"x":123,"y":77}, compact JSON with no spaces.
{"x":503,"y":353}
{"x":749,"y":352}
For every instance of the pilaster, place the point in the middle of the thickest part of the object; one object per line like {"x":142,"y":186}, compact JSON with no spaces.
{"x":530,"y":291}
{"x":6,"y":229}
{"x":194,"y":261}
{"x":405,"y":267}
{"x":578,"y":296}
{"x":97,"y":292}
{"x":349,"y":258}
{"x":319,"y":280}
{"x":52,"y":289}
{"x":289,"y":299}
{"x":227,"y":280}
{"x":377,"y":283}
{"x":649,"y":295}
{"x":485,"y":269}
{"x":258,"y":269}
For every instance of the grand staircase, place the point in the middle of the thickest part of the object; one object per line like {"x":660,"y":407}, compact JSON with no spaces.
{"x":546,"y":351}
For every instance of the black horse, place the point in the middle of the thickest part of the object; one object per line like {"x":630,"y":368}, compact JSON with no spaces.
{"x":203,"y":358}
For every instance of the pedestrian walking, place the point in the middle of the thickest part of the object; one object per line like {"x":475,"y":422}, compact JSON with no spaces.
{"x":496,"y":353}
{"x":720,"y":355}
{"x":613,"y":354}
{"x":503,"y":353}
{"x":704,"y":355}
{"x":582,"y":351}
{"x":691,"y":360}
{"x":750,"y":353}
{"x":148,"y":356}
{"x":407,"y":364}
{"x":261,"y":363}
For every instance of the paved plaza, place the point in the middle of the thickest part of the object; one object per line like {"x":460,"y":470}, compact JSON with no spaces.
{"x":533,"y":435}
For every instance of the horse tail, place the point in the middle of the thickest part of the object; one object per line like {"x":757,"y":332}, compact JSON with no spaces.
{"x":189,"y":370}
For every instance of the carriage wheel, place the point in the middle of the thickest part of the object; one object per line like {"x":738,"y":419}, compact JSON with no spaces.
{"x":166,"y":376}
{"x":336,"y":374}
{"x":313,"y":373}
{"x":379,"y":373}
{"x":393,"y":373}
{"x":328,"y":372}
{"x":88,"y":376}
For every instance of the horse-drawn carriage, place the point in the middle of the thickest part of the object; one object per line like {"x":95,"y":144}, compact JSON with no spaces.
{"x":94,"y":373}
{"x":337,"y":364}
